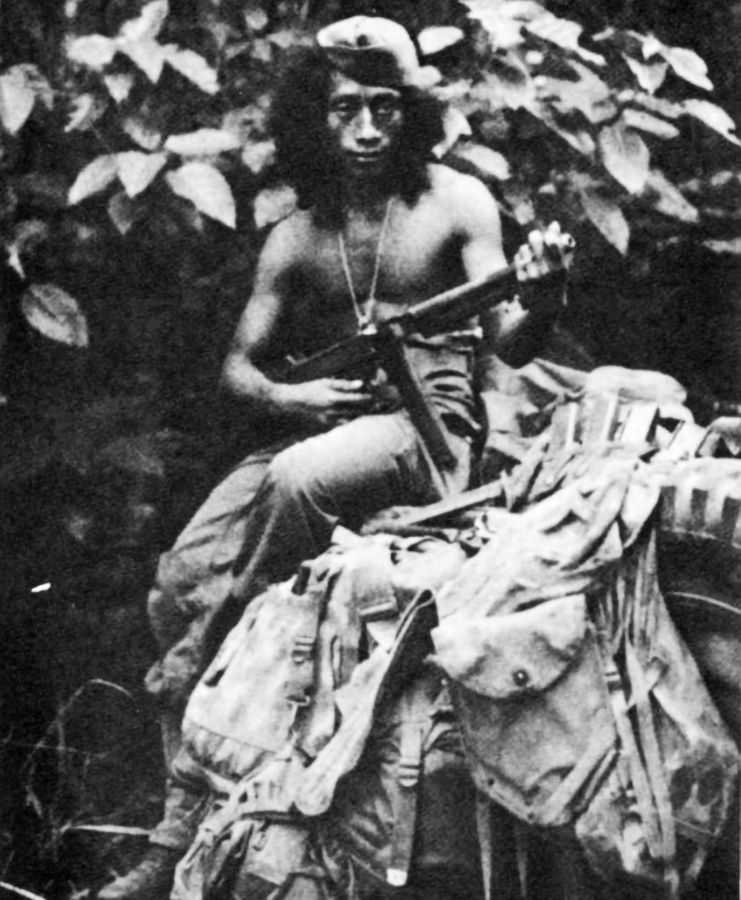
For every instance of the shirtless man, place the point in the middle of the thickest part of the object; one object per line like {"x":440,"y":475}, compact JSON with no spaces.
{"x":378,"y":227}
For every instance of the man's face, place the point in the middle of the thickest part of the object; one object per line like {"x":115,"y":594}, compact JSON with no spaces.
{"x":365,"y":124}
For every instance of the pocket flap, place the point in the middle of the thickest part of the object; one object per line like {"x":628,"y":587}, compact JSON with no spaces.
{"x":506,"y":656}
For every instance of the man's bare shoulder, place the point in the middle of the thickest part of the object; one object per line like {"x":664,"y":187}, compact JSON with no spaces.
{"x":456,"y":187}
{"x":291,"y":239}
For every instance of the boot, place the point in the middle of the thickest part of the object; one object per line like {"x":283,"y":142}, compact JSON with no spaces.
{"x":150,"y":880}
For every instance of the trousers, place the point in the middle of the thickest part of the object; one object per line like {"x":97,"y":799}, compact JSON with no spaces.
{"x":277,"y":508}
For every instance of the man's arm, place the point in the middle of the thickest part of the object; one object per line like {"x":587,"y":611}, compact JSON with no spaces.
{"x":324,"y":401}
{"x":510,"y":331}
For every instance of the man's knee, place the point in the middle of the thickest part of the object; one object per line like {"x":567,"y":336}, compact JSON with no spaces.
{"x":291,"y":476}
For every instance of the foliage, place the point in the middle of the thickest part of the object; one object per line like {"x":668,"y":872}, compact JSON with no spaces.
{"x":137,"y":180}
{"x":162,"y":115}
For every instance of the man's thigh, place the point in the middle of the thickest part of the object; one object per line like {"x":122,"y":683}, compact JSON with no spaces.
{"x":365,"y":465}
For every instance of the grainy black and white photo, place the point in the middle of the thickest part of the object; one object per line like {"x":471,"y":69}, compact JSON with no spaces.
{"x":370,"y":449}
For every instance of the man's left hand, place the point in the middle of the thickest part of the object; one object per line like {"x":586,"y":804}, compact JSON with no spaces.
{"x":545,"y":251}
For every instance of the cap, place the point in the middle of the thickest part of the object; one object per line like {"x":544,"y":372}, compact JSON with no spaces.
{"x":373,"y":50}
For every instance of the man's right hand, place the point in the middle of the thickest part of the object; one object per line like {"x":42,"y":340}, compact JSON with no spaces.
{"x":324,"y":402}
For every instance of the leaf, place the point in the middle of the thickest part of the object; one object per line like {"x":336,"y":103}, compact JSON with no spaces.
{"x":86,"y":110}
{"x":207,"y":190}
{"x":261,"y":50}
{"x":564,"y":33}
{"x":589,"y":95}
{"x":55,"y":314}
{"x":136,"y":170}
{"x":38,"y":83}
{"x":732,"y":246}
{"x":650,"y":76}
{"x":92,"y":50}
{"x":644,"y":121}
{"x":16,"y":99}
{"x":667,"y":199}
{"x":95,"y":177}
{"x":122,"y":212}
{"x":146,"y":54}
{"x":204,"y":142}
{"x":141,"y":133}
{"x":625,"y":156}
{"x":578,"y":138}
{"x":119,"y":86}
{"x":257,"y":155}
{"x":148,"y":24}
{"x":455,"y":126}
{"x":255,"y":17}
{"x":689,"y":66}
{"x":659,"y":105}
{"x":437,"y":38}
{"x":605,"y":214}
{"x":713,"y":116}
{"x":490,"y":164}
{"x":504,"y":21}
{"x":193,"y":67}
{"x":273,"y":204}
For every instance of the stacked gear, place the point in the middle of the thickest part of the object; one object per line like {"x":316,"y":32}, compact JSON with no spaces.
{"x":558,"y":682}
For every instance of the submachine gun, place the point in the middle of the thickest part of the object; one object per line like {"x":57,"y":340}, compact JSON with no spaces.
{"x":384,"y":344}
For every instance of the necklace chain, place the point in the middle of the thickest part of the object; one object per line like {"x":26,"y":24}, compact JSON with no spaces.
{"x":364,"y":316}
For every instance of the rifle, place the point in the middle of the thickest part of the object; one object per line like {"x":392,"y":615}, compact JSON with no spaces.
{"x":383,"y":343}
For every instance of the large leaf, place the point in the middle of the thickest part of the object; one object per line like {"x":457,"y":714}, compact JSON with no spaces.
{"x":92,"y":50}
{"x":667,"y":199}
{"x":564,"y":33}
{"x":193,"y":67}
{"x":204,"y":142}
{"x":273,"y":204}
{"x":714,"y":117}
{"x":589,"y":95}
{"x":95,"y":177}
{"x":644,"y":121}
{"x":207,"y":190}
{"x":137,"y":171}
{"x":650,"y":76}
{"x":437,"y":38}
{"x":604,"y":213}
{"x":55,"y":314}
{"x":689,"y":66}
{"x":258,"y":155}
{"x":490,"y":165}
{"x":625,"y":156}
{"x":17,"y":98}
{"x":146,"y":54}
{"x":148,"y":24}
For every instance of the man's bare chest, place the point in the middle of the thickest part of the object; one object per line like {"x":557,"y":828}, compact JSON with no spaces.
{"x":394,"y":266}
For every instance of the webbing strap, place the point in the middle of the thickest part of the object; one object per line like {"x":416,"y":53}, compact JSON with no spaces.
{"x":405,"y":798}
{"x":486,"y":847}
{"x":654,"y":766}
{"x":638,"y":777}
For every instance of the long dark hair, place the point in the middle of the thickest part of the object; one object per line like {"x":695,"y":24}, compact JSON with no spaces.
{"x":299,"y":126}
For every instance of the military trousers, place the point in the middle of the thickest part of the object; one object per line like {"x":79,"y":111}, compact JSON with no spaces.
{"x":275,"y":509}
